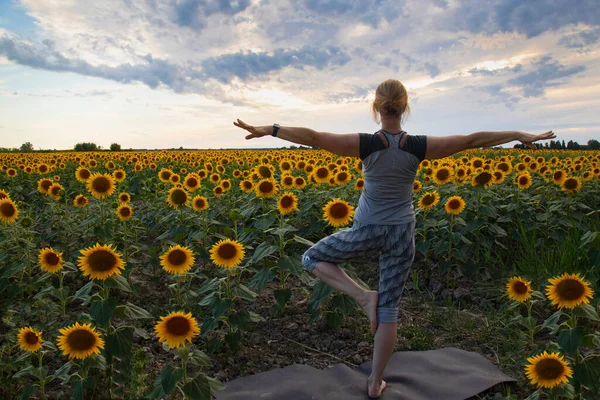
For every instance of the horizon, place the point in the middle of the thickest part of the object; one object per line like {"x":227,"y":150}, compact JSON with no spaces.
{"x":159,"y":75}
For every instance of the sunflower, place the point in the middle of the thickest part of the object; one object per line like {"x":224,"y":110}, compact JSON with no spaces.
{"x":483,"y":178}
{"x":164,"y":175}
{"x":548,"y":370}
{"x":119,"y":175}
{"x":322,"y":174}
{"x":265,"y":188}
{"x":82,"y":174}
{"x":246,"y":186}
{"x":124,"y":212}
{"x":287,"y":181}
{"x":519,"y":289}
{"x":523,"y":180}
{"x":429,"y":200}
{"x":442,"y":175}
{"x":287,"y":203}
{"x":498,"y":177}
{"x":177,"y":197}
{"x":191,"y":182}
{"x":227,"y":253}
{"x":218,"y":191}
{"x":226,"y":184}
{"x":214,"y":178}
{"x":177,"y":260}
{"x":338,"y":212}
{"x":4,"y":194}
{"x":79,"y":341}
{"x":417,"y":185}
{"x":11,"y":172}
{"x":572,"y":184}
{"x":100,"y":262}
{"x":569,"y":291}
{"x":101,"y":185}
{"x":455,"y":205}
{"x":43,"y":169}
{"x":299,"y":182}
{"x":174,"y":179}
{"x":124,"y":197}
{"x":176,"y":328}
{"x":199,"y":203}
{"x":50,"y":260}
{"x":477,"y":162}
{"x":44,"y":184}
{"x":359,"y":184}
{"x":80,"y":201}
{"x":30,"y":339}
{"x":265,"y":171}
{"x":8,"y":211}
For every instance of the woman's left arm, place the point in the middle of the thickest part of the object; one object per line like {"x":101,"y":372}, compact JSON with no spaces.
{"x":341,"y":144}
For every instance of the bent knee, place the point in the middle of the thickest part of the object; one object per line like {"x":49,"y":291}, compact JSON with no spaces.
{"x":308,"y":263}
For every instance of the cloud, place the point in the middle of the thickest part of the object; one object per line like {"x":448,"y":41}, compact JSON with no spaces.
{"x":581,"y":40}
{"x":500,"y":94}
{"x":191,"y":77}
{"x":546,"y":73}
{"x":432,"y":69}
{"x":370,"y":12}
{"x":491,"y":72}
{"x":530,"y":18}
{"x":193,"y":13}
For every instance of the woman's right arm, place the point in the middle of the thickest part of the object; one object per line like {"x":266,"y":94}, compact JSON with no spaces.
{"x":444,"y":146}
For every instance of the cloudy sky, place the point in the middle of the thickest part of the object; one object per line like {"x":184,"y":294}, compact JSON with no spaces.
{"x":171,"y":73}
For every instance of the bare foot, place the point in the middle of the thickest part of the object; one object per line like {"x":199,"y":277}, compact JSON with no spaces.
{"x":375,"y":388}
{"x":369,"y":305}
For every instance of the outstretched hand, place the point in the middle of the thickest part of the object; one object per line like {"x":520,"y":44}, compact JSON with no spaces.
{"x":255,"y":131}
{"x":528,"y":138}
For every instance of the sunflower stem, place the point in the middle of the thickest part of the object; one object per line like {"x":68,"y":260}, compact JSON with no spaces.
{"x":42,"y":381}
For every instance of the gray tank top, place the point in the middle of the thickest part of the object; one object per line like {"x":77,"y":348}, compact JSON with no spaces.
{"x":389,"y":176}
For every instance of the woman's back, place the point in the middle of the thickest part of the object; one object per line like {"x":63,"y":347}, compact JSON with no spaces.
{"x":389,"y":172}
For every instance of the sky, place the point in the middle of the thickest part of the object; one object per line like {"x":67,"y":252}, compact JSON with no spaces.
{"x":176,"y":73}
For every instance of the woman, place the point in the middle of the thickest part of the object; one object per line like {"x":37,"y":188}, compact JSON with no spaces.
{"x":384,"y":221}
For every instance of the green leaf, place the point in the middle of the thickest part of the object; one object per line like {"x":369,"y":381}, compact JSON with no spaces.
{"x":282,"y":296}
{"x":263,"y":250}
{"x":534,"y":396}
{"x":198,"y":388}
{"x":262,"y":278}
{"x":243,"y":292}
{"x":344,"y":303}
{"x":254,"y":317}
{"x":209,"y":285}
{"x":169,"y":376}
{"x":334,"y":319}
{"x":12,"y":269}
{"x":262,"y":224}
{"x":563,"y":391}
{"x":102,"y":311}
{"x":215,"y":384}
{"x":209,"y":299}
{"x":132,"y":311}
{"x":300,"y":239}
{"x":320,"y":292}
{"x":233,"y":340}
{"x":570,"y":340}
{"x":118,"y":282}
{"x":200,"y":358}
{"x":220,"y":307}
{"x":239,"y":319}
{"x":28,"y":390}
{"x":423,"y":247}
{"x":77,"y":390}
{"x":592,"y":340}
{"x":84,"y":292}
{"x":587,"y":311}
{"x":120,"y":342}
{"x":208,"y":324}
{"x":588,"y":373}
{"x":288,"y":264}
{"x":552,"y":321}
{"x":63,"y":370}
{"x":49,"y":290}
{"x":587,"y":238}
{"x":30,"y":369}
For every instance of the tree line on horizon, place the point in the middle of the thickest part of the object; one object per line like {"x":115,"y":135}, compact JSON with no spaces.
{"x":592,"y":144}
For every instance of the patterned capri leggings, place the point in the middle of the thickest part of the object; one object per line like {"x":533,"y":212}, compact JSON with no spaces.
{"x":395,"y":245}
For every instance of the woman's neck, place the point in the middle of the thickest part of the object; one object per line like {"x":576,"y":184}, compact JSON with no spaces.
{"x":390,"y":124}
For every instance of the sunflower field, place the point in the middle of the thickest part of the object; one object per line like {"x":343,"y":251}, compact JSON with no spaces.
{"x":109,"y":258}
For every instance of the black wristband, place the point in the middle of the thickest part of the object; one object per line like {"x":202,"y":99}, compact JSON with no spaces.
{"x":275,"y":129}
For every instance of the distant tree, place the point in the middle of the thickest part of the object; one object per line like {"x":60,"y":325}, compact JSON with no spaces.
{"x":26,"y":147}
{"x":115,"y":147}
{"x":87,"y":146}
{"x":563,"y":145}
{"x":593,"y":144}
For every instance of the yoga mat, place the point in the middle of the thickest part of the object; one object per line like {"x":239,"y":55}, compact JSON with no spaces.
{"x":448,"y":374}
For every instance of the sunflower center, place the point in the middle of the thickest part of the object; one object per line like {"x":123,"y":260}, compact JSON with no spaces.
{"x":200,"y":203}
{"x":192,"y":182}
{"x":265,"y":187}
{"x":125,"y":212}
{"x":43,"y":169}
{"x":165,"y":175}
{"x":81,"y":340}
{"x":84,"y":174}
{"x":247,"y":184}
{"x":443,"y":174}
{"x":52,"y":259}
{"x":46,"y":183}
{"x":360,"y":183}
{"x":503,"y":167}
{"x":523,"y":180}
{"x":570,"y":183}
{"x":483,"y":178}
{"x":227,"y":251}
{"x":119,"y":175}
{"x":339,"y":210}
{"x":454,"y":204}
{"x":81,"y":200}
{"x":477,"y":163}
{"x":299,"y":181}
{"x":7,"y":209}
{"x":177,"y":257}
{"x":225,"y":184}
{"x":570,"y":289}
{"x":549,"y":369}
{"x":288,"y":180}
{"x":428,"y":199}
{"x":285,"y":166}
{"x":342,"y":176}
{"x":265,"y":172}
{"x":520,"y":288}
{"x":102,"y":260}
{"x":101,"y":184}
{"x":179,"y":197}
{"x":322,"y":172}
{"x":287,"y":201}
{"x":31,"y":338}
{"x":178,"y":325}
